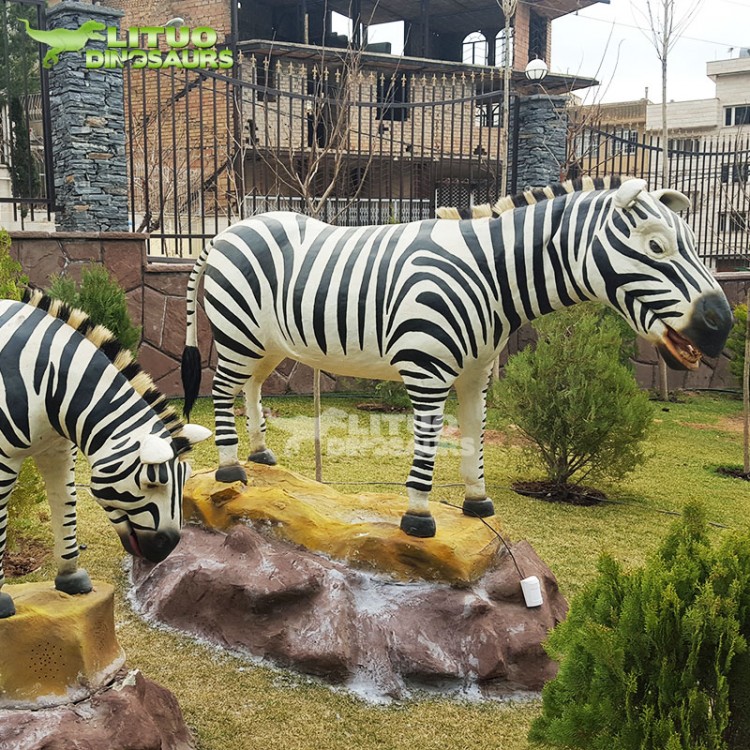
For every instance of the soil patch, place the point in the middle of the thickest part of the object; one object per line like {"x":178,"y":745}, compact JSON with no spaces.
{"x":509,"y":437}
{"x":380,"y":406}
{"x":30,"y":556}
{"x":733,"y":471}
{"x":573,"y":494}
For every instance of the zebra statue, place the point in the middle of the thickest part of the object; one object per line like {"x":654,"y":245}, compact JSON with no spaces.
{"x":65,"y":385}
{"x":433,"y":302}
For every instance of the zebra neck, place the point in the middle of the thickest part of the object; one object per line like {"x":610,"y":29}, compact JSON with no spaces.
{"x":539,"y":260}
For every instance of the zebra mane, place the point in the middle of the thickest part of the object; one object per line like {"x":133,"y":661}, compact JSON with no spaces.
{"x":532,"y":196}
{"x":118,"y":355}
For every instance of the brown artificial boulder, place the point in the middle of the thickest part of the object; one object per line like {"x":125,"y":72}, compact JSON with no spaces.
{"x":131,"y":713}
{"x":250,"y":591}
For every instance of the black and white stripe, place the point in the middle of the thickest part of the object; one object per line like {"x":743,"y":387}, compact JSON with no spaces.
{"x":66,"y":385}
{"x":432,"y":303}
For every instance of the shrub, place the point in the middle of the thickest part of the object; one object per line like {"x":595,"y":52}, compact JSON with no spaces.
{"x":102,"y":299}
{"x":393,"y":394}
{"x":24,"y":509}
{"x":656,"y":658}
{"x":575,"y":401}
{"x":12,"y":280}
{"x":736,"y":342}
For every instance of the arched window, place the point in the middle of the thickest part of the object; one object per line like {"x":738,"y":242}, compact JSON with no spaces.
{"x":500,"y":44}
{"x":475,"y":48}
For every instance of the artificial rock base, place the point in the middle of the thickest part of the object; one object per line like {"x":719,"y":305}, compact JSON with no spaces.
{"x":57,"y":647}
{"x":361,"y":529}
{"x":253,"y":593}
{"x":131,"y":713}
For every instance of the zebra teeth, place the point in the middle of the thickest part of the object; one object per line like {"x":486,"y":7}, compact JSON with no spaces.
{"x":682,"y":349}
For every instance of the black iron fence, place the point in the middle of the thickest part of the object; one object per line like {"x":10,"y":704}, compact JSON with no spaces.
{"x":26,"y":175}
{"x":712,"y":171}
{"x":348,"y":145}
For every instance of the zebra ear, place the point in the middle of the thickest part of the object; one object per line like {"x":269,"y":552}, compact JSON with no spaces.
{"x":628,"y":192}
{"x":672,"y":199}
{"x":195,"y":433}
{"x":156,"y":450}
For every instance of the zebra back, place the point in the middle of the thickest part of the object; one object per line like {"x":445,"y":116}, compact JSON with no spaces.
{"x":531,"y":196}
{"x":121,"y":358}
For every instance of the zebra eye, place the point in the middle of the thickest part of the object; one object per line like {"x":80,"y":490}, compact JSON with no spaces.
{"x":655,"y":247}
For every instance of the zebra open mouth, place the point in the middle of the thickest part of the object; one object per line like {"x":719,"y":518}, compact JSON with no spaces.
{"x":680,"y":352}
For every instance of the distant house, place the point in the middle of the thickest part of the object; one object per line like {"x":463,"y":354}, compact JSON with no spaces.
{"x":708,"y":149}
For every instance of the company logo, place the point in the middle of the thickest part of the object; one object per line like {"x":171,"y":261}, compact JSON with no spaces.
{"x":141,"y":46}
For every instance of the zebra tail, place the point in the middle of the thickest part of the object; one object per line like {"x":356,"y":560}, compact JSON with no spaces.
{"x":191,"y":356}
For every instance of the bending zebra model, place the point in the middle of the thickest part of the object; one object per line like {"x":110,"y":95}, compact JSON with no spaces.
{"x":65,"y":385}
{"x":529,"y":197}
{"x":433,"y":302}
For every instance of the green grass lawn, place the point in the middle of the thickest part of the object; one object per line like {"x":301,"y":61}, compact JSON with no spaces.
{"x":233,"y":704}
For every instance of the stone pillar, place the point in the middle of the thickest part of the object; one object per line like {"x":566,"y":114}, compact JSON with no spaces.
{"x":542,"y":143}
{"x":88,"y":130}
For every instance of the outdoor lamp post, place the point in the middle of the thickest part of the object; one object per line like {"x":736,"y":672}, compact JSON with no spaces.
{"x":536,"y":70}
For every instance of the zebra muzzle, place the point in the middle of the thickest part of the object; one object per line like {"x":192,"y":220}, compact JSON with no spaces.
{"x":678,"y":352}
{"x":150,"y":545}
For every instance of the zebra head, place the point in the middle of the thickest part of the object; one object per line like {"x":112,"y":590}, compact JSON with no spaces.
{"x":642,"y":261}
{"x":140,"y":488}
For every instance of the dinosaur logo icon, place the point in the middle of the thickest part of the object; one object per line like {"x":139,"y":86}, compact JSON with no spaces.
{"x":65,"y":40}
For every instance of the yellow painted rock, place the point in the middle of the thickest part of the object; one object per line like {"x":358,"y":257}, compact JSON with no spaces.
{"x":57,"y":647}
{"x":360,"y":529}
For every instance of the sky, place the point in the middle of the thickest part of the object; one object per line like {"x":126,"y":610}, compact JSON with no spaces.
{"x":628,"y":59}
{"x":606,"y":42}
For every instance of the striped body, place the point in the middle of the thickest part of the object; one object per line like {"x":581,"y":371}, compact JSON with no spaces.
{"x":431,"y":303}
{"x":61,"y":391}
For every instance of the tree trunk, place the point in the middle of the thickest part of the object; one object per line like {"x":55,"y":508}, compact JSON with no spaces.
{"x":316,"y":408}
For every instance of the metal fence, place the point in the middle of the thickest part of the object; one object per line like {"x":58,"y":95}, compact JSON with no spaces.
{"x":26,"y":174}
{"x":347,"y":145}
{"x":712,"y":171}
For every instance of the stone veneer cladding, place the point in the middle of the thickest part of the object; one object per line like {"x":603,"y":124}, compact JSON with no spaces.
{"x":88,"y":131}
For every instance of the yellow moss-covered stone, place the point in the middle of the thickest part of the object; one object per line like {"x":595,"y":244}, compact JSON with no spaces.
{"x":57,"y":647}
{"x":360,"y":529}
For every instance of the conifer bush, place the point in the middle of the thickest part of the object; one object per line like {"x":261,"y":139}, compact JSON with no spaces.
{"x":575,"y":400}
{"x":12,"y":279}
{"x":102,"y":299}
{"x":656,"y":658}
{"x":736,"y":342}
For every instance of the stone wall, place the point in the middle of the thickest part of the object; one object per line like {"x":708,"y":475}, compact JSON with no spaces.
{"x":542,"y":141}
{"x":156,"y":298}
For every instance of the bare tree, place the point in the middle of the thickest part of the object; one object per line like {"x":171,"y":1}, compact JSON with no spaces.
{"x":508,"y":8}
{"x":665,"y":29}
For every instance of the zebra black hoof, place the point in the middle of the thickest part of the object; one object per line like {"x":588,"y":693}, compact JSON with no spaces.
{"x":74,"y":583}
{"x":422,"y":526}
{"x":479,"y":508}
{"x":265,"y":457}
{"x":229,"y":474}
{"x":7,"y":608}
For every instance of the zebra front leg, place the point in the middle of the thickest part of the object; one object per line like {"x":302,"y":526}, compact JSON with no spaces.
{"x":471,"y":389}
{"x":227,"y":384}
{"x":428,"y":403}
{"x":57,"y":467}
{"x":8,"y":477}
{"x":255,"y":421}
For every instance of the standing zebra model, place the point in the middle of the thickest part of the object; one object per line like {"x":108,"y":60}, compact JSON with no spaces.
{"x":66,"y":384}
{"x":433,"y":302}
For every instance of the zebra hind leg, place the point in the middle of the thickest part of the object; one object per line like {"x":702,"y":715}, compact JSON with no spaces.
{"x":428,"y":403}
{"x":8,"y":477}
{"x":227,"y":384}
{"x":255,"y":421}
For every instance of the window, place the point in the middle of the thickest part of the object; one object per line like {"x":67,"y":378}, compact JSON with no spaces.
{"x":501,"y":43}
{"x":737,"y":115}
{"x":625,"y":142}
{"x":391,"y":92}
{"x":475,"y":49}
{"x":732,"y":221}
{"x":738,"y":172}
{"x":687,"y":145}
{"x":489,"y":114}
{"x":537,"y":37}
